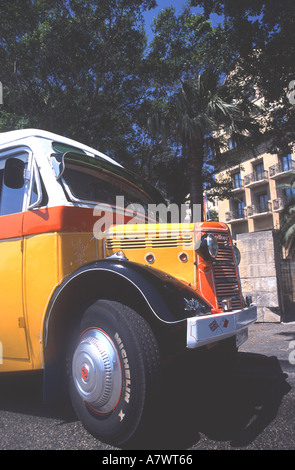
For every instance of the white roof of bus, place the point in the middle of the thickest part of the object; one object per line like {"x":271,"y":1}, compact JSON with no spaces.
{"x":12,"y":136}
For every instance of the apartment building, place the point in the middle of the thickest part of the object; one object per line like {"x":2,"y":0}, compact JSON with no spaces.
{"x":258,"y":194}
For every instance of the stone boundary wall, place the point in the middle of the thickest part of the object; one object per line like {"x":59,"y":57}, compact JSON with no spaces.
{"x":260,"y":273}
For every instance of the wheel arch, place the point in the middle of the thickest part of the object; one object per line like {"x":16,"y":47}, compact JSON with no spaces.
{"x":65,"y":311}
{"x":137,"y":286}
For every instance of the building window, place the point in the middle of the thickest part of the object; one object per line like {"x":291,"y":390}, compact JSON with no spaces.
{"x":238,"y":209}
{"x":262,"y":200}
{"x":286,"y":162}
{"x":237,"y":180}
{"x":259,"y":171}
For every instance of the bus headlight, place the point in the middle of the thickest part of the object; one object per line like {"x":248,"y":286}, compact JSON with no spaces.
{"x":207,"y":247}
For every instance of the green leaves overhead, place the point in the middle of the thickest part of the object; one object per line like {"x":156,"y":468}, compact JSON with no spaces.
{"x":261,"y":36}
{"x":73,"y":67}
{"x":197,"y":117}
{"x":86,"y":70}
{"x":179,"y":49}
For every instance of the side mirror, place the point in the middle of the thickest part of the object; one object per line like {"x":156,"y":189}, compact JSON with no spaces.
{"x":14,"y":173}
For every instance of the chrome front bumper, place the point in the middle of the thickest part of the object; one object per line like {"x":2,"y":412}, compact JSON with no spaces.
{"x":203,"y":330}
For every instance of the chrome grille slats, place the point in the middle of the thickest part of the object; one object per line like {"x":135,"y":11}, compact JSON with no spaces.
{"x":225,"y":277}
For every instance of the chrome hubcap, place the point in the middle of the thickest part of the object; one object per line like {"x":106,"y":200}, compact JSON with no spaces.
{"x":97,"y":371}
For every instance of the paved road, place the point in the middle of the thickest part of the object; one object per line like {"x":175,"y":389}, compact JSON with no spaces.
{"x":252,"y":409}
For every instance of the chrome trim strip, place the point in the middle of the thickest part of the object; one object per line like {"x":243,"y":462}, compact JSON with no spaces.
{"x":92,"y":269}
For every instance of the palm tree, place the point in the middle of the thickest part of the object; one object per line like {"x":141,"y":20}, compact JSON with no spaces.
{"x":200,"y":116}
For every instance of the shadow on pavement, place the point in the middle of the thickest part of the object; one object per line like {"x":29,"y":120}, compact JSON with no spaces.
{"x":22,"y":392}
{"x":196,"y":400}
{"x":233,"y":407}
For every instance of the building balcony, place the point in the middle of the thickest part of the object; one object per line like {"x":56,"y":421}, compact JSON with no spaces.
{"x":256,"y":178}
{"x":238,"y":185}
{"x":281,"y":169}
{"x":278,"y":204}
{"x":235,"y":216}
{"x":258,"y":210}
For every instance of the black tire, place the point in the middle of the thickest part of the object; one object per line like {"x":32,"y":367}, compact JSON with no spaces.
{"x":113,"y":370}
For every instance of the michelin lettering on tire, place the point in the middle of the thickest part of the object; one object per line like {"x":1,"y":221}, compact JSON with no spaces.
{"x":126,"y":368}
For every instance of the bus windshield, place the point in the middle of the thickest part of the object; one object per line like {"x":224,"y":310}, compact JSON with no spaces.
{"x":92,"y":180}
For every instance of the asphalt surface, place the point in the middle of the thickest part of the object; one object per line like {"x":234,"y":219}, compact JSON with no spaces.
{"x":261,"y":415}
{"x":251,"y":408}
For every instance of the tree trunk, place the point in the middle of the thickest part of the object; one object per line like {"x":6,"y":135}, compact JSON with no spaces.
{"x":195,"y":176}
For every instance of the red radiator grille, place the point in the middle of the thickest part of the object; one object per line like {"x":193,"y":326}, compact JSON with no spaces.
{"x":226,"y":281}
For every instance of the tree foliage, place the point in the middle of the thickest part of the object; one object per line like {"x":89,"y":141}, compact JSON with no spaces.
{"x":261,"y":34}
{"x":200,"y":116}
{"x":191,"y":100}
{"x":85,"y":70}
{"x":184,"y":46}
{"x":74,"y":68}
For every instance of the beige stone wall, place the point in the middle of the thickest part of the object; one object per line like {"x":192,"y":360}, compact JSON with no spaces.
{"x":260,"y":276}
